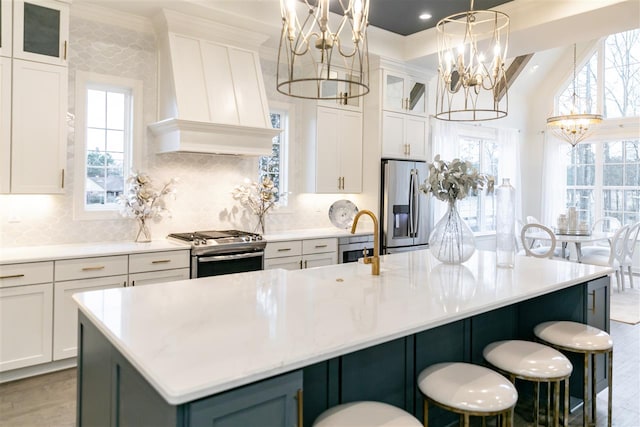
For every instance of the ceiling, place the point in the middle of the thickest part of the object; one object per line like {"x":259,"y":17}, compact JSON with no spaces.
{"x":402,"y":16}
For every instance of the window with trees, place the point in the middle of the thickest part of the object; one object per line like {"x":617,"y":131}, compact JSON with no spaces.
{"x":478,"y":210}
{"x":105,"y":128}
{"x":603,"y":173}
{"x":275,"y":165}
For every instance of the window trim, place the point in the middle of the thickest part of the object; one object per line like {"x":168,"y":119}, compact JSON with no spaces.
{"x":84,"y":80}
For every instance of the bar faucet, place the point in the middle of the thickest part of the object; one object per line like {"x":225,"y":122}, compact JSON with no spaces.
{"x":375,"y":259}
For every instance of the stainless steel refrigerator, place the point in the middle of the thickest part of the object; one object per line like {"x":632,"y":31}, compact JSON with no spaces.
{"x":404,"y":209}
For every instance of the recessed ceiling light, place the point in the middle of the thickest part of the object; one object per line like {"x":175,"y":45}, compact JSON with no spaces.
{"x":425,"y":16}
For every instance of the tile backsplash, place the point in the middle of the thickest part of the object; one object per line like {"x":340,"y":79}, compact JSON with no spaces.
{"x":203,"y":199}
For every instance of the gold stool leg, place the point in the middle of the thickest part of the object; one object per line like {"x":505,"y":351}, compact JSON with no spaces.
{"x":426,"y":413}
{"x":466,"y":420}
{"x":593,"y":387}
{"x":566,"y":402}
{"x":536,"y":403}
{"x":556,"y":404}
{"x":585,"y":397}
{"x":610,"y":403}
{"x":548,"y":403}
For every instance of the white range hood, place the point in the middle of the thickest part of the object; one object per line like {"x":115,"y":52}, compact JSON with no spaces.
{"x":211,"y":92}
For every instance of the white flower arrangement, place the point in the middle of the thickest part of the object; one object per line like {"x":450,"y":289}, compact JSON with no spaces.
{"x":454,"y":180}
{"x":259,"y":197}
{"x":142,"y":201}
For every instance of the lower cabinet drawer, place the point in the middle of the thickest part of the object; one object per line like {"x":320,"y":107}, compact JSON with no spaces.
{"x":287,"y":263}
{"x":82,"y":268}
{"x":283,"y":249}
{"x":155,"y":261}
{"x":316,"y":246}
{"x":28,"y":273}
{"x":152,"y":277}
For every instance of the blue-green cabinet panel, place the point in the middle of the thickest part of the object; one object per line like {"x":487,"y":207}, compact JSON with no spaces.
{"x":496,"y":325}
{"x":268,"y":403}
{"x":375,"y":373}
{"x":597,"y":313}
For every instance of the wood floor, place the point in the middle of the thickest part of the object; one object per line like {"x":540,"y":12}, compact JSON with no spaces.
{"x":50,"y":400}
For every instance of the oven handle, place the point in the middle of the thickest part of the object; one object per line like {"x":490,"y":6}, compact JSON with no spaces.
{"x":218,"y":258}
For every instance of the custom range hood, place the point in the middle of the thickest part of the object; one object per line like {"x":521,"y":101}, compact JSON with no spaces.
{"x":211,"y":92}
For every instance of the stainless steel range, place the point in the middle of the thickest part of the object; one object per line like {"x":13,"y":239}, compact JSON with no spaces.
{"x":222,"y":252}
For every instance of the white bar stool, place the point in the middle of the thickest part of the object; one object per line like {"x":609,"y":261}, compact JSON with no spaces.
{"x":468,"y":390}
{"x":366,"y":414}
{"x":537,"y":363}
{"x":580,"y":338}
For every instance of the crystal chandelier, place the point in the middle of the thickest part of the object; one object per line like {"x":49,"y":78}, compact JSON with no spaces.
{"x":322,"y":56}
{"x":573,"y":127}
{"x":472,"y":47}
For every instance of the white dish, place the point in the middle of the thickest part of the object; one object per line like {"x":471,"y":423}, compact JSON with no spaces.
{"x":342,"y":212}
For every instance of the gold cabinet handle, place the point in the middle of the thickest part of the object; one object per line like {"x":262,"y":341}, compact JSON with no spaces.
{"x":64,"y":56}
{"x":133,"y":283}
{"x":124,"y":284}
{"x":321,"y":246}
{"x":299,"y":398}
{"x":593,"y":301}
{"x":161,"y":261}
{"x":62,"y":179}
{"x":300,"y":264}
{"x":12,"y":276}
{"x":98,"y":267}
{"x":284,"y":249}
{"x":305,"y":263}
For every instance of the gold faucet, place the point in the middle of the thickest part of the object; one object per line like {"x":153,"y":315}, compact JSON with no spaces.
{"x":375,"y":259}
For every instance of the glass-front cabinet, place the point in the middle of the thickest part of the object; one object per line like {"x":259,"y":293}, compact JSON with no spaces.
{"x":41,"y":31}
{"x":5,"y":27}
{"x":341,"y":90}
{"x":404,"y":93}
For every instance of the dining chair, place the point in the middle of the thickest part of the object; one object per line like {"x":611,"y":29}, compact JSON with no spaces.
{"x":605,"y":224}
{"x":519,"y":248}
{"x":614,"y":257}
{"x":532,"y":220}
{"x":540,"y":251}
{"x":631,"y":243}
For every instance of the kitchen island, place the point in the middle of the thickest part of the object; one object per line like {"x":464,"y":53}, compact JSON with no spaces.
{"x":256,"y":348}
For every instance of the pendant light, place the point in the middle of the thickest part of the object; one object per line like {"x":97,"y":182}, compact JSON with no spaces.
{"x":573,"y":127}
{"x":472,"y":48}
{"x":323,"y":55}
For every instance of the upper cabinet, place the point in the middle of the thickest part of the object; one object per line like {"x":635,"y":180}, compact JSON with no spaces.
{"x":5,"y":27}
{"x":333,"y":150}
{"x":404,"y":94}
{"x":341,"y":90}
{"x":41,"y":31}
{"x":5,"y":124}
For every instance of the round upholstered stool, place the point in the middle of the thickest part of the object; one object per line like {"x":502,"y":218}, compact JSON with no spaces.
{"x":366,"y":414}
{"x":579,"y":338}
{"x":537,"y":363}
{"x":468,"y":390}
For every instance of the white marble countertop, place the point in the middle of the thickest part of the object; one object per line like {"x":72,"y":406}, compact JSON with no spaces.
{"x":12,"y":255}
{"x":192,"y":339}
{"x":84,"y":250}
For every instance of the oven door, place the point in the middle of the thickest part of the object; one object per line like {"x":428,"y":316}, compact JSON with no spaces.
{"x":215,"y":265}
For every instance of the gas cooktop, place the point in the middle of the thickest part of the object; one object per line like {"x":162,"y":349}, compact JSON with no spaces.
{"x":220,"y":241}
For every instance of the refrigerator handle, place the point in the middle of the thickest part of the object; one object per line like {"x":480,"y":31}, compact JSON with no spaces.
{"x":413,"y":214}
{"x":416,"y":204}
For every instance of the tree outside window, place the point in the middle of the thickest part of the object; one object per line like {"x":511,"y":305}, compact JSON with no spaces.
{"x":274,"y":166}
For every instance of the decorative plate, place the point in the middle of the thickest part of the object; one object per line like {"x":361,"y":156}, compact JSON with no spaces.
{"x":342,"y":212}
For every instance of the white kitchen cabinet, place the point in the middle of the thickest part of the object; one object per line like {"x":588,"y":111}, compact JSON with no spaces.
{"x":5,"y":27}
{"x":300,"y":254}
{"x":79,"y":275}
{"x":5,"y":124}
{"x":41,"y":31}
{"x":338,"y":151}
{"x":404,"y":93}
{"x":403,"y":136}
{"x":158,"y":267}
{"x":65,"y":317}
{"x":39,"y":129}
{"x":26,"y":314}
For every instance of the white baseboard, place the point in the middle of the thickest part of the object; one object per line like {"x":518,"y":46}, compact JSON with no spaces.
{"x":30,"y":371}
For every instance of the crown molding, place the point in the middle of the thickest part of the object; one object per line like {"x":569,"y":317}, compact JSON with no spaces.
{"x":110,"y":16}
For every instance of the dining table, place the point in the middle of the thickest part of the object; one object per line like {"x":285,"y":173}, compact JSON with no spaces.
{"x":577,"y":239}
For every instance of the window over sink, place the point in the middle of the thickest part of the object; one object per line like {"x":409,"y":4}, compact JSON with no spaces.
{"x":107,"y":131}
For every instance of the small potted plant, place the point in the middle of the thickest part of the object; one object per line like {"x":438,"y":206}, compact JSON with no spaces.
{"x":258,"y":197}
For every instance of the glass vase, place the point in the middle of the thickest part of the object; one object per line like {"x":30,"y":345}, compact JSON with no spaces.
{"x":144,"y":234}
{"x":452,"y":240}
{"x":259,"y":229}
{"x":505,"y":224}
